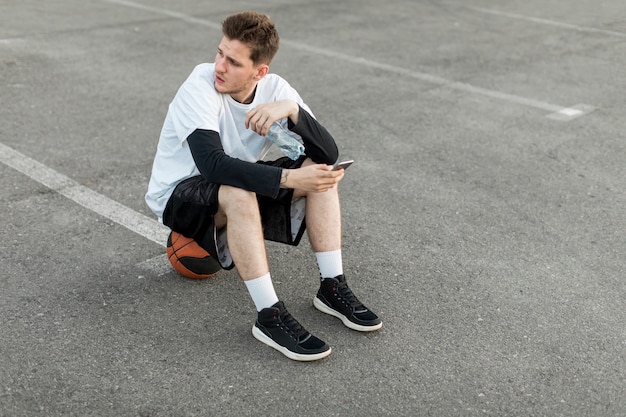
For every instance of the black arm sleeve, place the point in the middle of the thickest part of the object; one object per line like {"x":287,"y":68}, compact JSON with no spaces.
{"x":217,"y":167}
{"x":319,"y":145}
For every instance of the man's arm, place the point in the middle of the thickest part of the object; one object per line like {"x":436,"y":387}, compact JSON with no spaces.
{"x":318,"y":143}
{"x":217,"y":167}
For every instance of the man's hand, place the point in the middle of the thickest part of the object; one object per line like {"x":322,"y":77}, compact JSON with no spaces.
{"x":316,"y":178}
{"x":261,"y":117}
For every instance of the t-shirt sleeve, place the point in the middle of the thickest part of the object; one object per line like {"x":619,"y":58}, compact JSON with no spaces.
{"x":217,"y":167}
{"x":195,"y":106}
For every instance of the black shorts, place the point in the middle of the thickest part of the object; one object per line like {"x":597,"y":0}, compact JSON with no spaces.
{"x":191,"y":209}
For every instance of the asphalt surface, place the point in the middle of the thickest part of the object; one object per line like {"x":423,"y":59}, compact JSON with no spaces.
{"x":484,"y":217}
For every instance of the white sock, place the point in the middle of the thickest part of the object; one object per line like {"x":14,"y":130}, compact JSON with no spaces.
{"x":262,"y":291}
{"x":329,"y":263}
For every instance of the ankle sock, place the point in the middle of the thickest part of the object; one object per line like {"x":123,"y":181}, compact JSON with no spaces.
{"x":262,"y":291}
{"x":329,"y":263}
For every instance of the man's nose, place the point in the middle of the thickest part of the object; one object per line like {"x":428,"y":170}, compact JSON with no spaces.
{"x":219,"y":64}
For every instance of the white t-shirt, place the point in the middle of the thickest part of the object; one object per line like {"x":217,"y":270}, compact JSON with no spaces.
{"x":197,"y":105}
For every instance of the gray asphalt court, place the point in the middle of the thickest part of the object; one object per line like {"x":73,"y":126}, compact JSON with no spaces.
{"x":484,"y":216}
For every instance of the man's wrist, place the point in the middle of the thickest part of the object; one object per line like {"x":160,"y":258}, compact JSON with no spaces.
{"x":283,"y":178}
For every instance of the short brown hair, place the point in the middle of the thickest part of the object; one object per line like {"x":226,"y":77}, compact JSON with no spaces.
{"x":255,"y":30}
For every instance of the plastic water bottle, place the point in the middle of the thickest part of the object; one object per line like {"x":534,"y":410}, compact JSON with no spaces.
{"x":290,"y":143}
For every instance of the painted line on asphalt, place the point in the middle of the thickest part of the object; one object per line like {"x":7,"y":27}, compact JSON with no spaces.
{"x":556,"y":112}
{"x":167,"y":12}
{"x":10,"y":41}
{"x":549,"y":22}
{"x":158,"y":265}
{"x":102,"y":205}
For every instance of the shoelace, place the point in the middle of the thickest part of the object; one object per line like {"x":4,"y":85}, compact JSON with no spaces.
{"x":346,"y":293}
{"x":292,"y":324}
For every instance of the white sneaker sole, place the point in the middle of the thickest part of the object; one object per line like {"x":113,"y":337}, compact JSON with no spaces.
{"x":319,"y":304}
{"x":263,"y":338}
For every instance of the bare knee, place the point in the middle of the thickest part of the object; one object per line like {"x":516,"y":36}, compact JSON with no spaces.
{"x":237,"y":202}
{"x":297,"y":193}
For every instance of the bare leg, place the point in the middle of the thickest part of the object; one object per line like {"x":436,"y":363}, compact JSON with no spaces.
{"x":239,"y":213}
{"x":323,"y":220}
{"x":239,"y":209}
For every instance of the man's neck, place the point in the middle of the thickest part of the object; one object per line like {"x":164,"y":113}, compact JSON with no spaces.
{"x":249,"y":98}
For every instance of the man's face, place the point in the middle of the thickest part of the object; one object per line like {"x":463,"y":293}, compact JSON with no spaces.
{"x":235,"y":73}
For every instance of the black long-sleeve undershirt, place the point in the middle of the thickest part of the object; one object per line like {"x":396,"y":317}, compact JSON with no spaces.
{"x":217,"y":167}
{"x":319,"y":145}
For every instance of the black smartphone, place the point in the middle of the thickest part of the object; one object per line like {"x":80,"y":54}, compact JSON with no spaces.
{"x":343,"y":164}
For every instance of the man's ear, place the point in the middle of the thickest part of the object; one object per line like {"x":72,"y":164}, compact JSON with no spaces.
{"x":261,"y":71}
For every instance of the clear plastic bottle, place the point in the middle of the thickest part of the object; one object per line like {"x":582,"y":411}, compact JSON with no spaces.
{"x":290,"y":143}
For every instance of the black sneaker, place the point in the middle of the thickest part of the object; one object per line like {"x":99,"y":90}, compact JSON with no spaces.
{"x":336,"y":298}
{"x":277,"y":328}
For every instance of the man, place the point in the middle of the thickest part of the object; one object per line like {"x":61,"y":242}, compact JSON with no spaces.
{"x":209,"y":184}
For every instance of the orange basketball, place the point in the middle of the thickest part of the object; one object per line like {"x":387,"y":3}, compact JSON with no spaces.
{"x":189,"y":259}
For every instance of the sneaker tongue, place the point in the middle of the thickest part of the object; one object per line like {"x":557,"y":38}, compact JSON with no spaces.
{"x":349,"y":296}
{"x":294,"y":326}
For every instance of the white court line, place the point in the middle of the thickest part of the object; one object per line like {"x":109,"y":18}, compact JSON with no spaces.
{"x":547,"y":21}
{"x":557,"y":112}
{"x":166,"y":12}
{"x":104,"y":206}
{"x":158,"y":265}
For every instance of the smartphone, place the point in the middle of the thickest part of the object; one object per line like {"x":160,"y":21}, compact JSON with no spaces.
{"x":343,"y":164}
